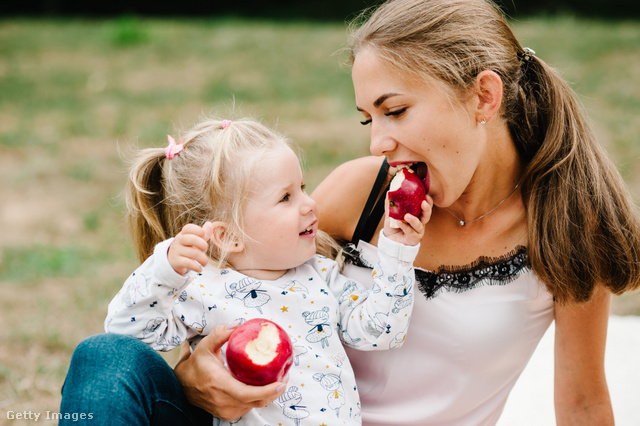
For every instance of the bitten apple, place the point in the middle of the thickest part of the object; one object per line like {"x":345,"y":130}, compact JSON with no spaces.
{"x":405,"y":195}
{"x":259,"y":352}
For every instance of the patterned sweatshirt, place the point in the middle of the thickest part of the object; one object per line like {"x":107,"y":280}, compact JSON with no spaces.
{"x":320,"y":308}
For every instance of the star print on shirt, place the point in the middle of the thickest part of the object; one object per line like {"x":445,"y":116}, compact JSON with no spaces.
{"x":284,"y":309}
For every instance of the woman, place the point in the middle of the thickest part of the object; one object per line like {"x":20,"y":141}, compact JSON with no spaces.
{"x":531,"y":220}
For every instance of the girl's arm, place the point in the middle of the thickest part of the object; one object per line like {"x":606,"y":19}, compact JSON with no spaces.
{"x":378,"y":318}
{"x":143,"y":308}
{"x":581,"y":392}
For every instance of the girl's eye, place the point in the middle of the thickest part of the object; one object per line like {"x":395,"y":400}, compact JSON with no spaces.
{"x":365,"y":122}
{"x":303,"y":187}
{"x":285,"y":198}
{"x":396,"y":112}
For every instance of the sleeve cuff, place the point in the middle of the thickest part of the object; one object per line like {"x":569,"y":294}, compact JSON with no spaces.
{"x":398,"y":250}
{"x":164,"y":269}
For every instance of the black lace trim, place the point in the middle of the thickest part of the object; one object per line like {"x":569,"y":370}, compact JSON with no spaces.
{"x":484,"y":271}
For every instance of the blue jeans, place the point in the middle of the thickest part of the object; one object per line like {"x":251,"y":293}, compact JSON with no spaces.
{"x":118,"y":380}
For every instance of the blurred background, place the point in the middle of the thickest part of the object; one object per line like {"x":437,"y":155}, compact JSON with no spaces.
{"x":82,"y":84}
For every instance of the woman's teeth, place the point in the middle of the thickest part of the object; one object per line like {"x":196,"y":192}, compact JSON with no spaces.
{"x":419,"y":168}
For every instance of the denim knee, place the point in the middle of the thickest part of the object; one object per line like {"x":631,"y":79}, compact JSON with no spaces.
{"x":119,"y":380}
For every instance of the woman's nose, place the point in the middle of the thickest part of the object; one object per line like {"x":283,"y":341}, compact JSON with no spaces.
{"x":381,"y":141}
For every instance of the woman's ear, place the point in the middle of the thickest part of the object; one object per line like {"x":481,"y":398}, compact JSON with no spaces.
{"x":224,"y":239}
{"x":488,"y":89}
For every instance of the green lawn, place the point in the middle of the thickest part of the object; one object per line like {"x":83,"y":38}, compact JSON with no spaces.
{"x":77,"y":95}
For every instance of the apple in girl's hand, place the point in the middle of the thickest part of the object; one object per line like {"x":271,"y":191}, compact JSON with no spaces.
{"x":259,"y":352}
{"x":405,"y":195}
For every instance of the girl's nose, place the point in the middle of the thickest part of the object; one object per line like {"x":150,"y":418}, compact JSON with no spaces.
{"x":308,"y":204}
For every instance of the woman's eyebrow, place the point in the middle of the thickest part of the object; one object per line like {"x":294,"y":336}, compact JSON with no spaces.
{"x":380,"y":100}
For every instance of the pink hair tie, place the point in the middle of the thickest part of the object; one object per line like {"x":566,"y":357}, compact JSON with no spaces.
{"x":225,"y":123}
{"x":173,"y":149}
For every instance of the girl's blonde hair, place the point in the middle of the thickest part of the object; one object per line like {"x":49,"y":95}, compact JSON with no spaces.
{"x":583,"y":226}
{"x":209,"y":180}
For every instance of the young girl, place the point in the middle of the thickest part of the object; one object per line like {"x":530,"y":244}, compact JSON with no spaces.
{"x":233,"y":192}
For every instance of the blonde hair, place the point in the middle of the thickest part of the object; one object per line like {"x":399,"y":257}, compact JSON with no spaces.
{"x":209,"y":180}
{"x":583,"y":226}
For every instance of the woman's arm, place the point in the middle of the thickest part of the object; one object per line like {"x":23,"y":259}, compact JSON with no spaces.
{"x":581,"y":392}
{"x":341,"y":196}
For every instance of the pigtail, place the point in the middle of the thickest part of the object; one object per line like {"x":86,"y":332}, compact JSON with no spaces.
{"x":584,"y":230}
{"x":145,"y":195}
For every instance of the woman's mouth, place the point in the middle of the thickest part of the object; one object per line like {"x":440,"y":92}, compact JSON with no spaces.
{"x":420,"y":169}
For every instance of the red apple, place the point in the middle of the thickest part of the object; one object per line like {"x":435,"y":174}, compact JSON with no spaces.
{"x":259,"y":352}
{"x":406,"y":193}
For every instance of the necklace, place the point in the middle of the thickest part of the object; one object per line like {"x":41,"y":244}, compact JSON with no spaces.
{"x":465,"y":222}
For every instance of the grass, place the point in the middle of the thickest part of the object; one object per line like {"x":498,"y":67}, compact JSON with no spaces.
{"x":77,"y":94}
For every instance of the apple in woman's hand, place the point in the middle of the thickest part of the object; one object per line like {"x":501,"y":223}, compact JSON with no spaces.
{"x":406,"y":193}
{"x":259,"y":352}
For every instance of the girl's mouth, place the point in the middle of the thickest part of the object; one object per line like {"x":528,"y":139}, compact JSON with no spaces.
{"x":308,"y":231}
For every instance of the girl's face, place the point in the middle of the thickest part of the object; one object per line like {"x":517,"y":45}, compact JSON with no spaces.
{"x":281,"y":220}
{"x":418,"y":122}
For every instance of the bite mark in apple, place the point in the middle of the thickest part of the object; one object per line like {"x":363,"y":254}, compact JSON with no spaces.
{"x":405,"y":195}
{"x":259,"y":352}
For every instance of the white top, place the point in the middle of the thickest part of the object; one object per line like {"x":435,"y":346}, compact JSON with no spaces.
{"x":465,"y":348}
{"x":317,"y":306}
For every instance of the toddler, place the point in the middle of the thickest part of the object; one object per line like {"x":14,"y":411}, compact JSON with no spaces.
{"x":227,"y":233}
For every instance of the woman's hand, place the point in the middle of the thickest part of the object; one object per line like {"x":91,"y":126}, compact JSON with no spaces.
{"x":188,"y":251}
{"x":208,"y":384}
{"x":411,"y":230}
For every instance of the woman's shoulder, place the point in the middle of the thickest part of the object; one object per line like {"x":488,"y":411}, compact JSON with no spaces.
{"x":341,"y":196}
{"x":356,"y":171}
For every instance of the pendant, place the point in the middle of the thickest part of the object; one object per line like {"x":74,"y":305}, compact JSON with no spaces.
{"x":462,"y":222}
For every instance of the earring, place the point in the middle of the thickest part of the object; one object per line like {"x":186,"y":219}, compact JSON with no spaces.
{"x":236,"y":244}
{"x":483,"y":121}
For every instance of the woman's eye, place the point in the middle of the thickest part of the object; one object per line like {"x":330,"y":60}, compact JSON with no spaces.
{"x":395,"y":113}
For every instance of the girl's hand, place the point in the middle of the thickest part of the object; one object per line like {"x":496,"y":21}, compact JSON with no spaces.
{"x":411,"y":232}
{"x":208,"y":384}
{"x":188,"y":251}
